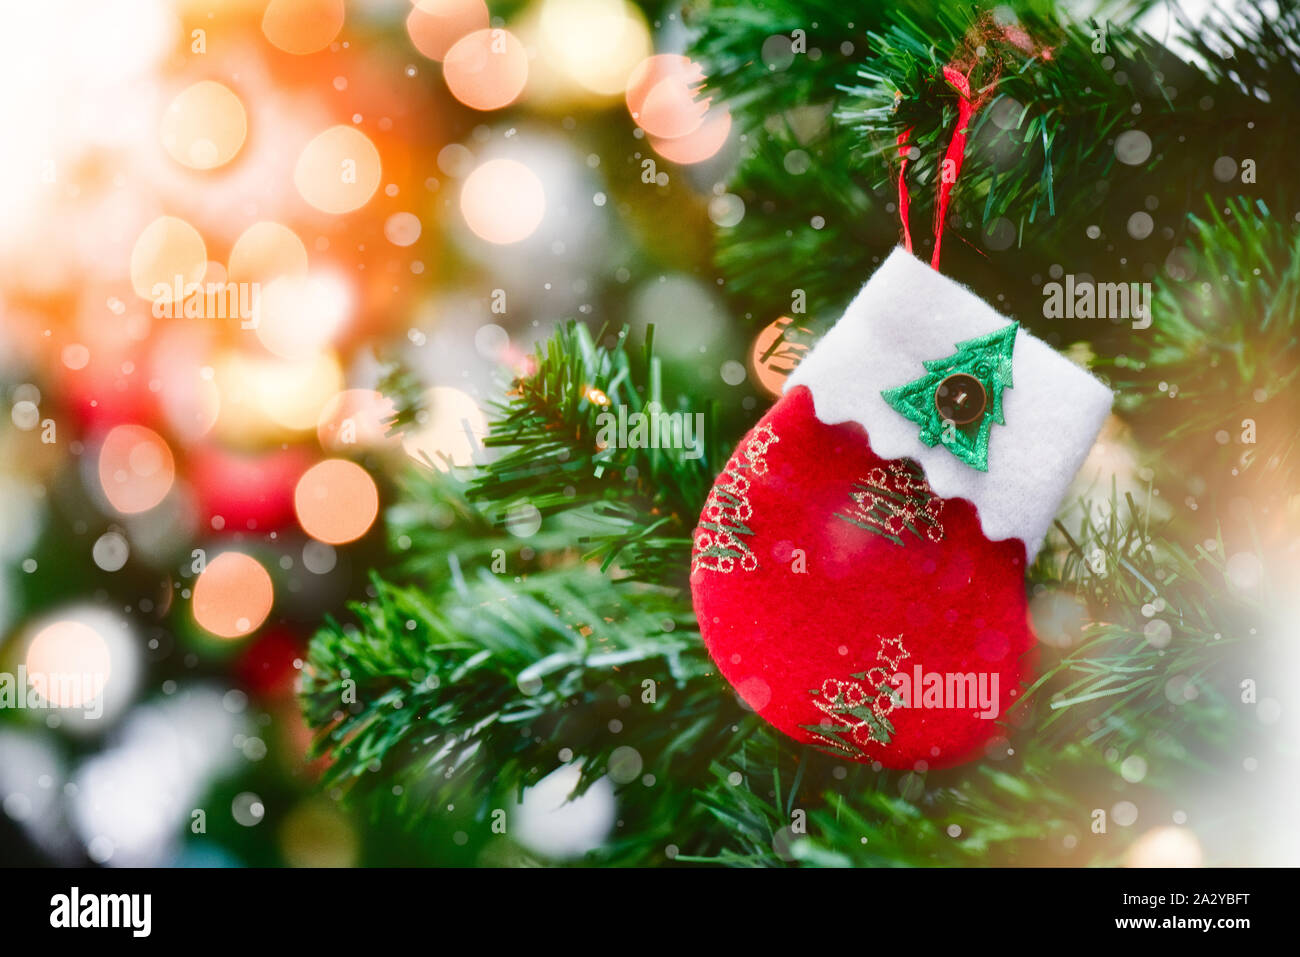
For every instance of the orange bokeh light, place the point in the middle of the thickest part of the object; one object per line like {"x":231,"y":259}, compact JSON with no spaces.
{"x":302,"y":26}
{"x":136,"y":468}
{"x":338,"y":171}
{"x":661,"y":95}
{"x":167,"y":248}
{"x":233,"y":595}
{"x":265,"y":251}
{"x":777,"y":350}
{"x":486,"y":69}
{"x":700,"y":145}
{"x":204,"y":126}
{"x":436,"y":25}
{"x":336,"y":501}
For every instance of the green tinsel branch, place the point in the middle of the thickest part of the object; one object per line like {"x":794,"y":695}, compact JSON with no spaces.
{"x":465,"y":678}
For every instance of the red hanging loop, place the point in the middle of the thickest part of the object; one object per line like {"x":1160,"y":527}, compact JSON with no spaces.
{"x":956,"y":153}
{"x":903,"y":150}
{"x":966,"y":108}
{"x":986,"y":42}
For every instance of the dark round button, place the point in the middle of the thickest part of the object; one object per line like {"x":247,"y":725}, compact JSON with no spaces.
{"x":960,"y":398}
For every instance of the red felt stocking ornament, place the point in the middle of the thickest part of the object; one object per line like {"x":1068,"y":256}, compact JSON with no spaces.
{"x":858,"y":569}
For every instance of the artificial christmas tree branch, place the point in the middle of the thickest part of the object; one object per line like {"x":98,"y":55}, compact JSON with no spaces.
{"x":614,"y":545}
{"x":1047,"y":131}
{"x":1230,"y":343}
{"x":556,"y":463}
{"x":439,"y":704}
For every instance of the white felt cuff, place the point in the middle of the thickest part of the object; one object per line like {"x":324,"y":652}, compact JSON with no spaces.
{"x":908,"y":313}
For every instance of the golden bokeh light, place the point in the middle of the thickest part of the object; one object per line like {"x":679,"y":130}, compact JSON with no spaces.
{"x":204,"y":126}
{"x":336,"y":501}
{"x":302,"y":26}
{"x":136,"y":468}
{"x":486,"y":69}
{"x":293,"y":393}
{"x":338,"y":171}
{"x":595,"y":43}
{"x":700,"y":145}
{"x":435,"y":25}
{"x":265,"y":251}
{"x":503,"y":201}
{"x":453,"y":432}
{"x":356,"y":419}
{"x":298,"y":315}
{"x":233,"y":595}
{"x":167,"y":248}
{"x":68,"y":663}
{"x":268,"y":398}
{"x":662,"y":95}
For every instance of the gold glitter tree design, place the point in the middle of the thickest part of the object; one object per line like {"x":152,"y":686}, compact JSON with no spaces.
{"x":894,"y":499}
{"x":719,"y":545}
{"x":857,"y":709}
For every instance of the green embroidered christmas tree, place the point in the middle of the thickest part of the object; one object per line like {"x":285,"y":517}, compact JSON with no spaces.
{"x":972,"y":408}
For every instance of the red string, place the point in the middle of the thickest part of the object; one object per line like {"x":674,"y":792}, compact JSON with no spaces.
{"x":903,"y":150}
{"x":956,"y":153}
{"x":986,"y":43}
{"x":966,"y":108}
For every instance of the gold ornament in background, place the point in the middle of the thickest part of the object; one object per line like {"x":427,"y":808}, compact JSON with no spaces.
{"x":267,"y":399}
{"x":777,"y":350}
{"x":1114,"y":458}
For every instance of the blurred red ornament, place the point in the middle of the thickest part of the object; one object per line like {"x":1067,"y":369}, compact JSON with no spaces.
{"x":267,"y":667}
{"x":108,"y":391}
{"x":239,"y":491}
